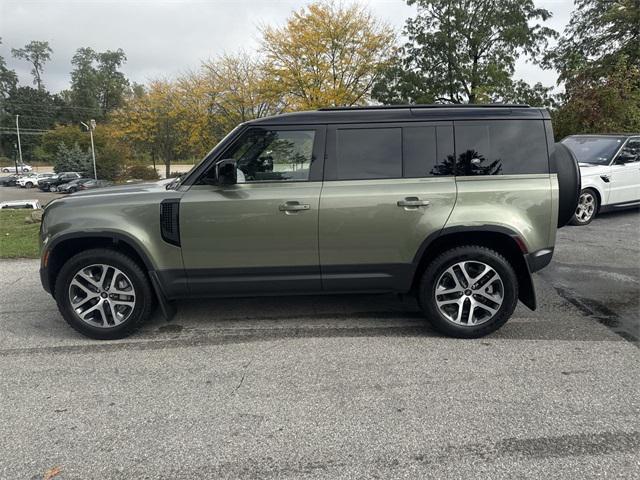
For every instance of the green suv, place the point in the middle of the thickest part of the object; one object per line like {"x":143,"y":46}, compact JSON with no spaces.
{"x":455,"y":204}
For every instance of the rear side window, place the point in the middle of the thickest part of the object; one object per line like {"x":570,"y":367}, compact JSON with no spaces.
{"x":427,"y":151}
{"x":500,"y":147}
{"x":368,"y":153}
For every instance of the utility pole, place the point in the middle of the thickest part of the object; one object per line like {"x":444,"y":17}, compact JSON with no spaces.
{"x":19,"y":145}
{"x":90,"y":127}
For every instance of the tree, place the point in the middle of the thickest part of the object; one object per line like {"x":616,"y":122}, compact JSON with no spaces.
{"x":599,"y":33}
{"x":38,"y":110}
{"x":605,"y":104}
{"x":464,"y":50}
{"x":327,"y":54}
{"x":37,"y":53}
{"x":73,"y":160}
{"x":84,"y":85}
{"x":8,"y":78}
{"x":112,"y":84}
{"x":150,"y":122}
{"x":598,"y":61}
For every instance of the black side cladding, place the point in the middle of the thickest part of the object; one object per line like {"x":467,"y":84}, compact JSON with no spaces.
{"x":170,"y":221}
{"x":564,"y":163}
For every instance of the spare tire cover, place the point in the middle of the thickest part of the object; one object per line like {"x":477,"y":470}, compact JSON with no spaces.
{"x":564,"y":162}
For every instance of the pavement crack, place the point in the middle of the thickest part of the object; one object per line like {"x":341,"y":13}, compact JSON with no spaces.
{"x":246,"y":366}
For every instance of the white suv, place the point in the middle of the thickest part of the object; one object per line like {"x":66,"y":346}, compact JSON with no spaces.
{"x":30,"y":181}
{"x":610,"y":171}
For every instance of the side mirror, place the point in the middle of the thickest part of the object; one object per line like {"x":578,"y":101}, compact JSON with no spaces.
{"x":226,"y":172}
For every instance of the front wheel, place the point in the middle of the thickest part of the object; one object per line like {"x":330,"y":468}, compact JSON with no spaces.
{"x":53,"y":188}
{"x":587,"y":208}
{"x":468,"y":291}
{"x":103,"y":294}
{"x":28,"y":185}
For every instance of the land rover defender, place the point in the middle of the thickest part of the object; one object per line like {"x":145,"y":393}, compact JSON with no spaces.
{"x":457,"y":205}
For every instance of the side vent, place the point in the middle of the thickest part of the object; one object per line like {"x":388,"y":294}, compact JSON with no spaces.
{"x":170,"y":221}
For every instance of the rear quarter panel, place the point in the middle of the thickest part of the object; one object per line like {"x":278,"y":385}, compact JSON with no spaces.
{"x":523,"y":203}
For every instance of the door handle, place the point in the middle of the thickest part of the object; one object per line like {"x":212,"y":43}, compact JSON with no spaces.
{"x":413,"y":202}
{"x":293,"y":207}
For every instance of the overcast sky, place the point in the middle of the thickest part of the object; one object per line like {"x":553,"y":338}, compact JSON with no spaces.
{"x":163,"y":38}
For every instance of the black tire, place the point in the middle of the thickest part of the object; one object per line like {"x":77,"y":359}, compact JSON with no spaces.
{"x":28,"y":185}
{"x":144,"y":295}
{"x":5,"y":170}
{"x":473,"y":253}
{"x":584,"y":215}
{"x":52,"y":188}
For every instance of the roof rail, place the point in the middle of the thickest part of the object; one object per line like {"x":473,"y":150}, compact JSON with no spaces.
{"x":433,"y":105}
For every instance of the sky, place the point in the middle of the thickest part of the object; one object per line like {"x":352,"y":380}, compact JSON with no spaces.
{"x":164,"y":38}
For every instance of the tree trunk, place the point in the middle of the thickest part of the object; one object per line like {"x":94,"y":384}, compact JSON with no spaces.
{"x":167,"y":167}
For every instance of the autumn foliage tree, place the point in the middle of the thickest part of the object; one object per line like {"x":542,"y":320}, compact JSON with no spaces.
{"x":327,"y":54}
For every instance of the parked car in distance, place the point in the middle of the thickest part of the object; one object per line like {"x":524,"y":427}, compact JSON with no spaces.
{"x":94,"y":184}
{"x":342,"y":200}
{"x":22,"y":168}
{"x":610,"y":172}
{"x":9,"y":180}
{"x":74,"y":185}
{"x":16,"y":204}
{"x":32,"y":179}
{"x":51,"y":184}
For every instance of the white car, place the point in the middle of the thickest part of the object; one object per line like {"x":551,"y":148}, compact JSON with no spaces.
{"x":610,"y":171}
{"x":22,"y":168}
{"x":30,"y":204}
{"x":31,"y":180}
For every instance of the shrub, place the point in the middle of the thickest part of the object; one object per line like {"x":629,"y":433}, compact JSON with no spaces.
{"x":143,"y":172}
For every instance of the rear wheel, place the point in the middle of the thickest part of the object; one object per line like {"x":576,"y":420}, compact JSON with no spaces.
{"x":103,"y":294}
{"x":587,"y":207}
{"x":468,"y":291}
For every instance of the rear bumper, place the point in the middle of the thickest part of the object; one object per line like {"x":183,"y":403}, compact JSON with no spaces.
{"x":539,"y":259}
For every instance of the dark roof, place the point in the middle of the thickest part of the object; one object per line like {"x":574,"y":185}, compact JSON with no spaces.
{"x":404,"y":113}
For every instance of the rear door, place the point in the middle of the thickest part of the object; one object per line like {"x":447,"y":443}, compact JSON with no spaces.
{"x":387,"y":188}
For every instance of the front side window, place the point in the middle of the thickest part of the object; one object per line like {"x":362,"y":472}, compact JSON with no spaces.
{"x":270,"y":155}
{"x":630,"y":152}
{"x":500,"y":147}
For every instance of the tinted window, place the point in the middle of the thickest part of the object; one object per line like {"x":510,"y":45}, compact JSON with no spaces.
{"x":366,"y":153}
{"x":500,"y":147}
{"x":630,"y":152}
{"x":427,"y":151}
{"x":270,"y":155}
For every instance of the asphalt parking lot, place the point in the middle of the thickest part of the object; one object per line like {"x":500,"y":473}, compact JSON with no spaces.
{"x":335,"y":387}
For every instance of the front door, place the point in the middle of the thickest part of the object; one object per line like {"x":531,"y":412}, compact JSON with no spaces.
{"x":625,"y":174}
{"x":261,"y":234}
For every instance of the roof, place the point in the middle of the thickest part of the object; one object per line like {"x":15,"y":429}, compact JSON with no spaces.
{"x":404,"y":113}
{"x":605,"y":135}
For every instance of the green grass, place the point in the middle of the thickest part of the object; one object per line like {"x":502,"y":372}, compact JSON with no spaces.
{"x":17,"y":238}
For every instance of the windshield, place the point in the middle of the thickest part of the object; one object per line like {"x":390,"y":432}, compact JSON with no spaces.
{"x":595,"y":150}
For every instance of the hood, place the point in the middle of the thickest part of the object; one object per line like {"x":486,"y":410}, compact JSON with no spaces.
{"x":118,"y":189}
{"x":589,"y":169}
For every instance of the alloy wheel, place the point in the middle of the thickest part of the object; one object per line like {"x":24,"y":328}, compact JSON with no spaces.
{"x":469,"y":293}
{"x":586,"y":207}
{"x":102,"y":295}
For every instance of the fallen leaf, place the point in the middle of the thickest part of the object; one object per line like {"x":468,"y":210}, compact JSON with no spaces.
{"x":52,"y":472}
